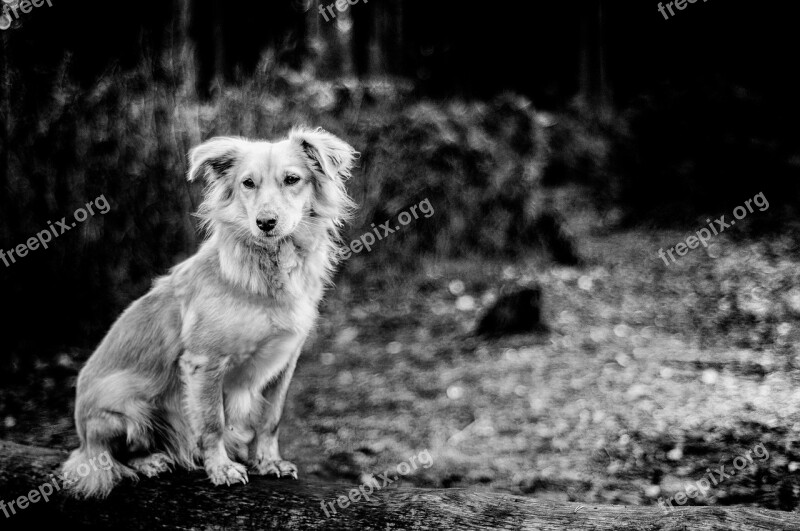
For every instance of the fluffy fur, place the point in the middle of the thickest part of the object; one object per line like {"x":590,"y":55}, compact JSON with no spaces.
{"x":196,"y":371}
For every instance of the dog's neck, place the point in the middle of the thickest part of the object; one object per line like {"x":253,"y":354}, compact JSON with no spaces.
{"x":283,"y":272}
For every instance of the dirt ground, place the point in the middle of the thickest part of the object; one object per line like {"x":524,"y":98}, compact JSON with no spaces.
{"x":650,"y":378}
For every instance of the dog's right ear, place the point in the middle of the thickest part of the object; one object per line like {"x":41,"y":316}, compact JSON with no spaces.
{"x":213,"y":158}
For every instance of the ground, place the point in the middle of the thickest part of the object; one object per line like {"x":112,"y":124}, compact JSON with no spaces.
{"x":650,"y":378}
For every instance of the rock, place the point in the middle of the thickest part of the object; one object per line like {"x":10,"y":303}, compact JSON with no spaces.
{"x":514,"y":313}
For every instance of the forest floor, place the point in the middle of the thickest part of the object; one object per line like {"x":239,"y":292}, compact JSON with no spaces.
{"x":650,"y":375}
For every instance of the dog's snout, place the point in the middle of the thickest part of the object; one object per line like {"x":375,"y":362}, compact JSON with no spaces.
{"x":266,"y":224}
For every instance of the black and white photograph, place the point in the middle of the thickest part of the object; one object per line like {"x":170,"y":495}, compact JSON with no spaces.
{"x":400,"y":265}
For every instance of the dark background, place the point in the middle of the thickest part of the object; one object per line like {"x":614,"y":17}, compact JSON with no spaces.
{"x":567,"y":141}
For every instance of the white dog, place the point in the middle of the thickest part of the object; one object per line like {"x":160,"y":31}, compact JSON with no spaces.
{"x":198,"y":368}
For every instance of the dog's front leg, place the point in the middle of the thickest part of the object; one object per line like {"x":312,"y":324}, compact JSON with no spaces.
{"x":203,"y":376}
{"x":264,"y":453}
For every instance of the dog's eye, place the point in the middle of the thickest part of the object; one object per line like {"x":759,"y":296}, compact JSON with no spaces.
{"x":249,"y":184}
{"x":291,"y":179}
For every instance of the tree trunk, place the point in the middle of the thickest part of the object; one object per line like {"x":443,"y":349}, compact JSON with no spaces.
{"x":595,"y":85}
{"x":363,"y":16}
{"x":5,"y":124}
{"x":185,"y":500}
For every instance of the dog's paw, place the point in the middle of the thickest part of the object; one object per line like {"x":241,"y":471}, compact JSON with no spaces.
{"x":276,"y":467}
{"x":152,"y":465}
{"x":227,"y":473}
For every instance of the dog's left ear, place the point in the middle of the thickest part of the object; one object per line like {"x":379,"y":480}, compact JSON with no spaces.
{"x":330,"y":159}
{"x":325,"y":153}
{"x":213,"y":158}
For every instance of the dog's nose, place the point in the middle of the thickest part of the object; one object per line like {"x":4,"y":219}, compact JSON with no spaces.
{"x":266,"y":224}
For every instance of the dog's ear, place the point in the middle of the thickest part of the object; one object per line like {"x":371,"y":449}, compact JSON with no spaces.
{"x":325,"y":153}
{"x":213,"y":158}
{"x":331,"y":160}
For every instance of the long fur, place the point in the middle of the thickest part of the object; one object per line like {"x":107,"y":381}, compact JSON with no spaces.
{"x":195,"y":372}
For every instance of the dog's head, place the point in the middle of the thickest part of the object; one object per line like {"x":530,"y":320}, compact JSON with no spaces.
{"x":265,"y":192}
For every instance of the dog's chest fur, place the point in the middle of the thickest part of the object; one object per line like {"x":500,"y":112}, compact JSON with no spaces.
{"x":257,"y":309}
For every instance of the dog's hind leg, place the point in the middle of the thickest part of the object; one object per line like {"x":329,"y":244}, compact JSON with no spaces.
{"x":92,"y":470}
{"x":112,"y":423}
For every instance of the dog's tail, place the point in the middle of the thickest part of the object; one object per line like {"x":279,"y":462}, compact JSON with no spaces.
{"x":92,"y":473}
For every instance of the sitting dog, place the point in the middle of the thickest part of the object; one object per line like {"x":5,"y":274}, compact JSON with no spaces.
{"x":196,"y":371}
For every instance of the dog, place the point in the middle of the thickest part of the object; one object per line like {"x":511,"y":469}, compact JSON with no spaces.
{"x":195,"y":373}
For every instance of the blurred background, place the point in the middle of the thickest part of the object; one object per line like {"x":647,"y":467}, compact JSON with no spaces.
{"x":561,"y":145}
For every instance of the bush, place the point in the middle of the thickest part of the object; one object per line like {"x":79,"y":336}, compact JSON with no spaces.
{"x":478,"y":164}
{"x":581,"y":144}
